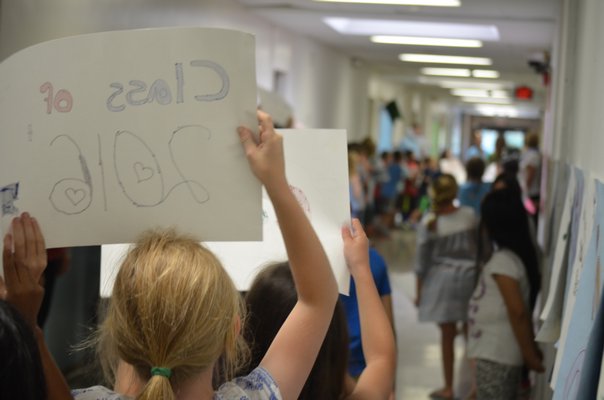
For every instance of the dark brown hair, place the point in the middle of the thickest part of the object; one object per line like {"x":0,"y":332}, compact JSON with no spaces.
{"x":475,"y":169}
{"x":270,"y":300}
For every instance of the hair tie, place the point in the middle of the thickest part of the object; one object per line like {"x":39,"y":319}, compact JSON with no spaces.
{"x":161,"y":371}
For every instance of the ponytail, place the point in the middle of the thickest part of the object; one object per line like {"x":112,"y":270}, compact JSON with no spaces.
{"x":158,"y":387}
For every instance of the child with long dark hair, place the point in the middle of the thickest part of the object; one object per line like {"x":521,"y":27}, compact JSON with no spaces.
{"x":501,"y":337}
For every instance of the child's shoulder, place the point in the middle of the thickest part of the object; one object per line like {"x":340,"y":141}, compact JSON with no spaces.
{"x":505,"y":262}
{"x":97,"y":393}
{"x":258,"y":385}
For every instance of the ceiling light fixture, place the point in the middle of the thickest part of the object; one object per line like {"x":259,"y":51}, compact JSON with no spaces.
{"x":485,"y":100}
{"x":369,"y":27}
{"x":425,"y":3}
{"x":497,"y":111}
{"x":499,"y":94}
{"x":485,"y":73}
{"x":438,"y":59}
{"x":464,"y":83}
{"x":470,"y":92}
{"x":446,"y":72}
{"x":475,"y":92}
{"x":470,"y":85}
{"x":426,"y":41}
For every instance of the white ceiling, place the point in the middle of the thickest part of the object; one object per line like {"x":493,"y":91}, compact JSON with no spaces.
{"x":525,"y":27}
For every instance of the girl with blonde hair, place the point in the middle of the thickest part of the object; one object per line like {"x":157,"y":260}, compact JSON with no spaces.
{"x":446,"y":270}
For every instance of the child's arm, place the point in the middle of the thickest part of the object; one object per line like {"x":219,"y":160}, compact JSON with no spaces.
{"x":377,"y":379}
{"x":423,"y":256}
{"x":22,"y":272}
{"x":294,"y":350}
{"x":520,"y":320}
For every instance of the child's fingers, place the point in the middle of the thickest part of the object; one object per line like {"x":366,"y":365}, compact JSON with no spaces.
{"x":29,"y":235}
{"x":346,"y":234}
{"x":39,"y":238}
{"x":18,"y":238}
{"x":266,"y":125}
{"x":247,"y":140}
{"x":357,"y":227}
{"x":10,"y":272}
{"x":3,"y":291}
{"x":41,"y":258}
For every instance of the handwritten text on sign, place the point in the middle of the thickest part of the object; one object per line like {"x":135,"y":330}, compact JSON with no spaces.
{"x":103,"y":141}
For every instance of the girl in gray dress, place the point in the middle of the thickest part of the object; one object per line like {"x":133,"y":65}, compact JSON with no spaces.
{"x":445,"y":269}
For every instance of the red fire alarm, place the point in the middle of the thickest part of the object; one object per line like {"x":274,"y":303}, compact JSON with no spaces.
{"x":523,"y":93}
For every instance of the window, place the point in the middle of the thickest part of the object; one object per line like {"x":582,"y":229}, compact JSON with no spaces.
{"x":386,"y":128}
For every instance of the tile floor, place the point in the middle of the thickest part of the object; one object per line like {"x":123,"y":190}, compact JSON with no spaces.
{"x":419,"y":366}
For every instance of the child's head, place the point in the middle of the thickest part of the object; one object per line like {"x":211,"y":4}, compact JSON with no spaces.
{"x":475,"y":169}
{"x":507,"y":181}
{"x":506,"y":222}
{"x":173,"y":306}
{"x":270,"y":300}
{"x":443,"y":191}
{"x":21,"y":373}
{"x":504,"y":215}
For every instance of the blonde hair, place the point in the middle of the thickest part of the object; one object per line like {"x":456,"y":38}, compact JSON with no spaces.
{"x":443,"y":191}
{"x":173,"y":306}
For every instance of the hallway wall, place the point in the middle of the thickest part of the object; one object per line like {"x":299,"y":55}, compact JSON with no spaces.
{"x":325,"y":88}
{"x":579,"y":102}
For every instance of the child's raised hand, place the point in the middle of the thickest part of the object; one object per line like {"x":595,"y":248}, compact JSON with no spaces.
{"x":265,"y":155}
{"x":356,"y":247}
{"x":23,"y":268}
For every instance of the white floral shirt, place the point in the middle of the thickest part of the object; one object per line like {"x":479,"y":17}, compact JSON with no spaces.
{"x":258,"y":385}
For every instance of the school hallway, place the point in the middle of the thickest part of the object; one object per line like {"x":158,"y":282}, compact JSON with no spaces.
{"x":419,"y":370}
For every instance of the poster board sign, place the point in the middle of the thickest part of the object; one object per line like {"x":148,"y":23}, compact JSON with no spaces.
{"x":104,"y":135}
{"x":316,"y":163}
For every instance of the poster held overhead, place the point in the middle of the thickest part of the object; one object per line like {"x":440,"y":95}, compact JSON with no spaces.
{"x":105,"y":135}
{"x":316,"y":165}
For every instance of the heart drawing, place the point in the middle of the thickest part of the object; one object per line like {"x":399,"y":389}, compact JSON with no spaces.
{"x":142,"y":172}
{"x":75,"y":196}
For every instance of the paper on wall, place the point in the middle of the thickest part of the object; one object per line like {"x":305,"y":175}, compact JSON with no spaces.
{"x":551,"y":313}
{"x":316,"y":163}
{"x":590,"y":371}
{"x":104,"y":135}
{"x":581,"y":307}
{"x":553,"y":187}
{"x":600,"y":395}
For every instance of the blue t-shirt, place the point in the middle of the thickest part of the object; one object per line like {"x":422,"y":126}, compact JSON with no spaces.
{"x":474,"y":152}
{"x":471,"y":194}
{"x":379,"y":270}
{"x":395,"y":175}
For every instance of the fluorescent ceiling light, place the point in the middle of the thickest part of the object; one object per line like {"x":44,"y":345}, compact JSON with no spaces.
{"x":446,"y":72}
{"x":497,"y":111}
{"x":427,"y":3}
{"x":494,"y":94}
{"x":485,"y":73}
{"x":499,"y":94}
{"x":369,"y":27}
{"x":426,"y":41}
{"x":472,"y":85}
{"x":461,"y":83}
{"x":470,"y":92}
{"x":485,"y":100}
{"x":438,"y":59}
